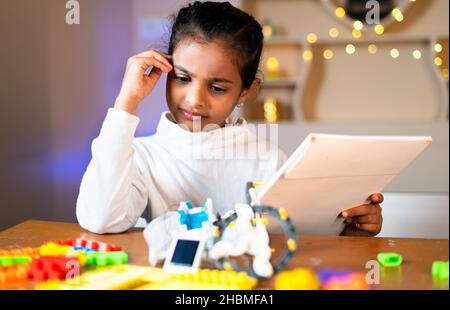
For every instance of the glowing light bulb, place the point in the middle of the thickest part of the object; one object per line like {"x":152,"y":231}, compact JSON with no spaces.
{"x":417,"y":54}
{"x":328,"y":54}
{"x":273,"y":64}
{"x":356,"y":33}
{"x":395,"y":53}
{"x":445,"y":73}
{"x":350,"y":49}
{"x":397,"y":14}
{"x":308,"y":55}
{"x":438,"y":48}
{"x":267,"y":31}
{"x":438,"y":61}
{"x":311,"y":38}
{"x":270,"y":109}
{"x":334,"y":33}
{"x":379,"y":29}
{"x":273,"y":67}
{"x":340,"y":12}
{"x":358,"y":25}
{"x":372,"y":48}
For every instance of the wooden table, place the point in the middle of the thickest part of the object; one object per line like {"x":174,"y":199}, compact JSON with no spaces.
{"x":350,"y":253}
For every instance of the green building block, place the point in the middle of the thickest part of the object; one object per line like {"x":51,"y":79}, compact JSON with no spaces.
{"x":389,"y":259}
{"x":440,"y":269}
{"x":6,"y":261}
{"x":106,"y":258}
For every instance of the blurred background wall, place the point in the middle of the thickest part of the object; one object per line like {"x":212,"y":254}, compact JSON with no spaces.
{"x":58,"y":80}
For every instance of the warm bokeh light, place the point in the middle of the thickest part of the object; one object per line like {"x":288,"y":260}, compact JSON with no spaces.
{"x":417,"y":54}
{"x":372,"y":48}
{"x":356,"y":33}
{"x":438,"y":47}
{"x":379,"y":29}
{"x":328,"y":54}
{"x":350,"y":49}
{"x":311,"y":38}
{"x":358,"y":25}
{"x":334,"y":33}
{"x":308,"y":55}
{"x":438,"y":61}
{"x":397,"y":14}
{"x":267,"y":31}
{"x":395,"y":53}
{"x":340,"y":12}
{"x":270,"y":109}
{"x":445,"y":73}
{"x":273,"y":65}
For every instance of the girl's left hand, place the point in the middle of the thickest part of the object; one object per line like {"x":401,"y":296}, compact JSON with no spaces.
{"x":364,"y":219}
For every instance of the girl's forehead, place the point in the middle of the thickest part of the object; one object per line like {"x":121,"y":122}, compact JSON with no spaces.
{"x":207,"y":59}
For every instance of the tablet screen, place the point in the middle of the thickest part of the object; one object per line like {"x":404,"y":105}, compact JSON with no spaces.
{"x":184,"y":253}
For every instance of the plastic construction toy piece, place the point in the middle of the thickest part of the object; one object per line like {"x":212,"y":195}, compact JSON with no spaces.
{"x":204,"y":279}
{"x":187,"y":221}
{"x":389,"y":259}
{"x":342,"y":280}
{"x":106,"y":258}
{"x":121,"y":277}
{"x":326,"y":274}
{"x":354,"y":281}
{"x":440,"y":270}
{"x":297,"y":279}
{"x":54,"y":249}
{"x":96,"y":245}
{"x":149,"y":278}
{"x":65,"y":242}
{"x":194,"y":217}
{"x":13,"y":274}
{"x":6,"y":261}
{"x":86,"y":250}
{"x":252,"y":240}
{"x":32,"y":252}
{"x":53,"y":267}
{"x":159,"y":234}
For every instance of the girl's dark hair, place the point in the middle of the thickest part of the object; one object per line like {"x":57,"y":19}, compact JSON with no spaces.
{"x":207,"y":21}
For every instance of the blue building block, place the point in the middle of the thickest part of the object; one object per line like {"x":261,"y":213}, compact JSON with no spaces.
{"x":86,"y":250}
{"x":193,"y":220}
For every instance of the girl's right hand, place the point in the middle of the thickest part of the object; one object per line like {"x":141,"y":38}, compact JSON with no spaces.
{"x":137,"y":85}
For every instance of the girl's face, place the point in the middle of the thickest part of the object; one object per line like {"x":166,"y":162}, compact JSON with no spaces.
{"x":204,"y":85}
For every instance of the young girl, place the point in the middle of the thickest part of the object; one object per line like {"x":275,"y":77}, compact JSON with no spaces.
{"x":211,"y":65}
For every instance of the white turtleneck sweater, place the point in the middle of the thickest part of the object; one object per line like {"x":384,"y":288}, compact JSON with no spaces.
{"x":128,"y":174}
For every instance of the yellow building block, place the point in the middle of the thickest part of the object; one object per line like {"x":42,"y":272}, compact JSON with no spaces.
{"x":149,"y":278}
{"x":297,"y":279}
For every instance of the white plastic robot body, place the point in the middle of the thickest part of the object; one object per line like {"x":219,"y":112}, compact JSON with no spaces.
{"x":160,"y":232}
{"x":243,"y":238}
{"x":159,"y":235}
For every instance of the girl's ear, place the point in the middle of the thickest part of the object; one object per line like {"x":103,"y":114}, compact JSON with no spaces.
{"x":252,"y":91}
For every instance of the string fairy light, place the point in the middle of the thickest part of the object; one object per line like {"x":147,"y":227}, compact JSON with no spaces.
{"x":328,"y":54}
{"x":372,"y":48}
{"x":350,"y":49}
{"x":308,"y":55}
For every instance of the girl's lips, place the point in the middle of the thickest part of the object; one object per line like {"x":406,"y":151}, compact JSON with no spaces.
{"x":191,"y":115}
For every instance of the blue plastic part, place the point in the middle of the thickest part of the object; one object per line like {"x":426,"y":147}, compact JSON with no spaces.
{"x":193,"y":220}
{"x":189,"y":205}
{"x":86,"y":250}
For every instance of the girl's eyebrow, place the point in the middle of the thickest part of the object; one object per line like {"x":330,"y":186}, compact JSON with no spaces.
{"x":215,"y":79}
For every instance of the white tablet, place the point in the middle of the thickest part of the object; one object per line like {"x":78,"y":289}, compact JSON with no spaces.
{"x":184,"y":254}
{"x":330,"y":173}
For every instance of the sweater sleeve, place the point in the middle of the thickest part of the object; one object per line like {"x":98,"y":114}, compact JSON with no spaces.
{"x":113,"y":193}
